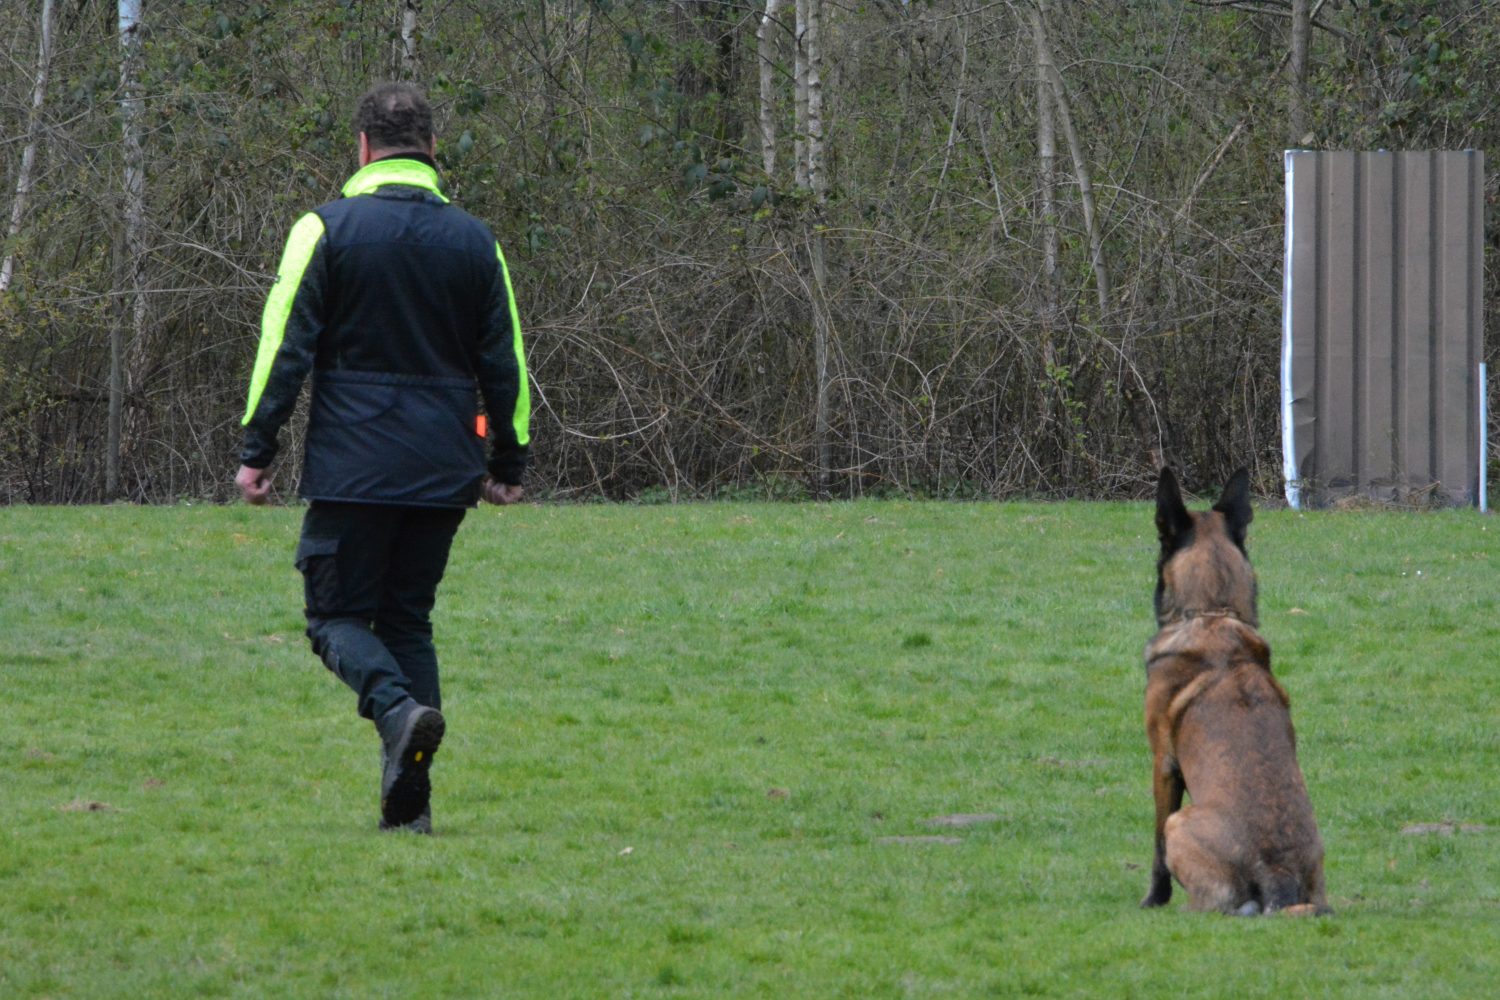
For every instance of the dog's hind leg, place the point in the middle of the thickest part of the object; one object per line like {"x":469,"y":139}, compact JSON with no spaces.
{"x":1294,"y":894}
{"x":1317,"y":894}
{"x":1198,"y":855}
{"x":1317,"y":899}
{"x":1167,"y":790}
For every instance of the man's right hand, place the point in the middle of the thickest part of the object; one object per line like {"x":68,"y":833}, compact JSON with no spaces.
{"x":254,"y":484}
{"x":501,"y":494}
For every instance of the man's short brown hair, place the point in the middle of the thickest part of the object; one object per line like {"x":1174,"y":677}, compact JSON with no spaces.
{"x":394,"y":116}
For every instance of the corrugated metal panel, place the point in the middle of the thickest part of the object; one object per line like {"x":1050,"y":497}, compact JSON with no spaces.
{"x":1382,"y":327}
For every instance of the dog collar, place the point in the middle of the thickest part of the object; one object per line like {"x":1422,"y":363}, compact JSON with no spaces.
{"x":1191,"y":613}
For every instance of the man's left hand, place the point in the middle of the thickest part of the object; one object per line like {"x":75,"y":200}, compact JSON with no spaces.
{"x":501,"y":494}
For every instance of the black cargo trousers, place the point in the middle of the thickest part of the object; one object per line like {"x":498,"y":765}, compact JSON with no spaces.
{"x":371,"y":573}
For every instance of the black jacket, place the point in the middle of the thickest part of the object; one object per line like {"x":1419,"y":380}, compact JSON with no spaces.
{"x":400,"y":304}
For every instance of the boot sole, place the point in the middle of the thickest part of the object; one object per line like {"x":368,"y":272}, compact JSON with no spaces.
{"x":411,"y":790}
{"x":421,"y":825}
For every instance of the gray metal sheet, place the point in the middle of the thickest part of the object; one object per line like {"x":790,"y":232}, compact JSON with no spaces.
{"x":1382,"y":327}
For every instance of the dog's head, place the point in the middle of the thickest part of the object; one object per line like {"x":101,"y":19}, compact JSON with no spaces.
{"x":1203,"y":566}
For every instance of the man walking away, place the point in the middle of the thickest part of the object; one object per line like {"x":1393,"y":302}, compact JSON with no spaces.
{"x":400,"y":305}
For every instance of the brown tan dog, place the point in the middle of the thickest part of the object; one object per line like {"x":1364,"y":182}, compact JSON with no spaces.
{"x":1221,"y":728}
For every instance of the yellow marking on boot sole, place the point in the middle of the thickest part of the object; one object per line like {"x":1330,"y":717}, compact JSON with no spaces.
{"x":418,"y":757}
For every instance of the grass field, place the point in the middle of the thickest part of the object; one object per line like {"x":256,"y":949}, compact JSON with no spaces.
{"x":698,"y":751}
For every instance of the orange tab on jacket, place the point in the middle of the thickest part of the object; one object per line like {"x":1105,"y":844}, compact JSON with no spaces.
{"x":482,"y":425}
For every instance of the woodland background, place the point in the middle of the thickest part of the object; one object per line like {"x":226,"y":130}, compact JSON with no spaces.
{"x":996,"y":248}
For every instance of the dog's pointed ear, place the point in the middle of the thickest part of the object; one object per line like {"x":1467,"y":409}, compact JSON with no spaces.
{"x":1234,"y":504}
{"x":1172,"y":517}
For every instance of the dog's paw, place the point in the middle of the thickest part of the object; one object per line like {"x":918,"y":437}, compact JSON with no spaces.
{"x":1160,"y":892}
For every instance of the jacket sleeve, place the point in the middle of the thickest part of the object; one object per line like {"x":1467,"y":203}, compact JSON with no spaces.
{"x":502,"y":380}
{"x":289,"y":330}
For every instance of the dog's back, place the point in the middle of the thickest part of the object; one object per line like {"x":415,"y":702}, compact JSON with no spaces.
{"x":1220,"y":727}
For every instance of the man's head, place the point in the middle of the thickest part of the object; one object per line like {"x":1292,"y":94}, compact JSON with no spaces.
{"x":393,"y":118}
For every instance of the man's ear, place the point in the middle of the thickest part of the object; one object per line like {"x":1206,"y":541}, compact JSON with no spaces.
{"x":364,"y":150}
{"x":1172,"y":518}
{"x":1234,"y":504}
{"x":432,"y":147}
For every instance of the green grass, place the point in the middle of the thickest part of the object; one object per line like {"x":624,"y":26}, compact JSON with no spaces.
{"x":680,"y":739}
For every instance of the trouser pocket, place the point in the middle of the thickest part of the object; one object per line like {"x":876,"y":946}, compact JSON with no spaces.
{"x":317,"y":560}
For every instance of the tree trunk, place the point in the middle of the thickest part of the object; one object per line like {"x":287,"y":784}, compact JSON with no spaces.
{"x":799,"y":83}
{"x":816,"y":179}
{"x":958,"y":103}
{"x":766,"y":48}
{"x":822,"y":324}
{"x":810,"y":178}
{"x":28,"y":155}
{"x":1053,"y":401}
{"x":133,"y":299}
{"x":1297,"y":69}
{"x":1080,"y":165}
{"x":1046,"y":141}
{"x":410,"y":9}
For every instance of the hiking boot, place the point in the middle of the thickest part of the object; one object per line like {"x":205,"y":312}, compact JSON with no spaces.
{"x":422,"y":824}
{"x":410,"y":734}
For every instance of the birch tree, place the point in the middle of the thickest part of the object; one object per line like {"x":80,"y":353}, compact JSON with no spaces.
{"x":808,"y":84}
{"x":410,"y":10}
{"x":812,"y":43}
{"x":799,"y":94}
{"x":811,"y":180}
{"x":1048,"y":69}
{"x":133,"y":254}
{"x":765,"y":39}
{"x":28,"y":155}
{"x":1046,"y":142}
